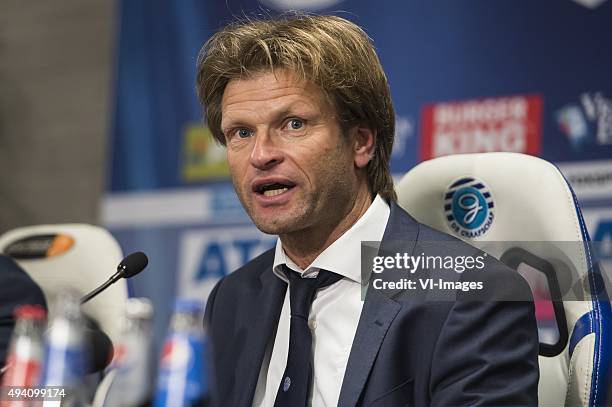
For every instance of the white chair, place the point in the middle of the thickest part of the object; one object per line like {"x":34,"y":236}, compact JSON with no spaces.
{"x":521,"y":210}
{"x":79,"y":257}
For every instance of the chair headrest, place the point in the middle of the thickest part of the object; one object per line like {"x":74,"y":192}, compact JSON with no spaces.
{"x":526,"y":197}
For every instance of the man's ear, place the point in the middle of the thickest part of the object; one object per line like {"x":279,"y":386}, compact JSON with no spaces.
{"x":364,"y":141}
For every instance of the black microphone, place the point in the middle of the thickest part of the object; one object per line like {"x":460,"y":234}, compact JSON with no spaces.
{"x":130,"y":266}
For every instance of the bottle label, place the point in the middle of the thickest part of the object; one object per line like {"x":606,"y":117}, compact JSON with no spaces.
{"x":21,"y":372}
{"x":181,"y":371}
{"x":63,"y":366}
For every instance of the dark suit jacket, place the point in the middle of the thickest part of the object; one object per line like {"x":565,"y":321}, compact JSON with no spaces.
{"x":16,"y":288}
{"x":405,"y":352}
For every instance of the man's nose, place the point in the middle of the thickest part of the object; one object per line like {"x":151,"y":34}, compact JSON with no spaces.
{"x":266,"y":152}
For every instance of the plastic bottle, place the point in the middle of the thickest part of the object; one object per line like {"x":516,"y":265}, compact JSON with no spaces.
{"x":26,"y":351}
{"x":66,"y":352}
{"x":182,"y":380}
{"x":131,"y":368}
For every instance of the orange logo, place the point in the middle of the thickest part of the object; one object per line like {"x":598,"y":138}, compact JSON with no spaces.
{"x":60,"y":244}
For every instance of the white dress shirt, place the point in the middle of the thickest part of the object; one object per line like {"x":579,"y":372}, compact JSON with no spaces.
{"x":334,"y":314}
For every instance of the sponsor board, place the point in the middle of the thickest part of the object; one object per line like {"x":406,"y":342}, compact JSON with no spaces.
{"x":599,"y":224}
{"x":589,"y":179}
{"x":214,"y":204}
{"x":592,"y":4}
{"x":586,"y":123}
{"x":203,"y":157}
{"x":206,"y":255}
{"x":510,"y":124}
{"x":404,"y":130}
{"x":310,"y":5}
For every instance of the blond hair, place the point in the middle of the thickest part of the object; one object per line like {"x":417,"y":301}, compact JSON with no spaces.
{"x":330,"y":51}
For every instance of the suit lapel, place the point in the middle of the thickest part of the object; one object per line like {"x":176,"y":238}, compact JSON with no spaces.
{"x":376,"y":317}
{"x":262,"y":319}
{"x":378,"y":312}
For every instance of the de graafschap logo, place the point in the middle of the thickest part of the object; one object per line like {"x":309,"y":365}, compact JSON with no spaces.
{"x":469,"y":207}
{"x":588,"y":122}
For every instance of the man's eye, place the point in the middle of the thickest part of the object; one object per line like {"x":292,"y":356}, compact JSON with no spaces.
{"x":296,"y":124}
{"x":244,"y":133}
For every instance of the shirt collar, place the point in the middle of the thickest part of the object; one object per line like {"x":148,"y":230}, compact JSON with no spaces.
{"x":344,"y":255}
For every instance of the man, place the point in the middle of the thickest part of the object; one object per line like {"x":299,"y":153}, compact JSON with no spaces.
{"x":303,"y":106}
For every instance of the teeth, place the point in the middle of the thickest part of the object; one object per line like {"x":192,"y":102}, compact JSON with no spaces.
{"x":274,"y":192}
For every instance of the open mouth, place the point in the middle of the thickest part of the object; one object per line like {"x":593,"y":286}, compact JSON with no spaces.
{"x":273,"y":189}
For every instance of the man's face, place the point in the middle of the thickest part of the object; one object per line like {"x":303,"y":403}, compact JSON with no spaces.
{"x":293,"y":169}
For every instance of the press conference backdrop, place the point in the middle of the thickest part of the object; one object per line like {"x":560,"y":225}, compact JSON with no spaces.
{"x":466,"y":76}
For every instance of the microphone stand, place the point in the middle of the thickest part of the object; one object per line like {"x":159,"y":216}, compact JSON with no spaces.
{"x":110,"y":281}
